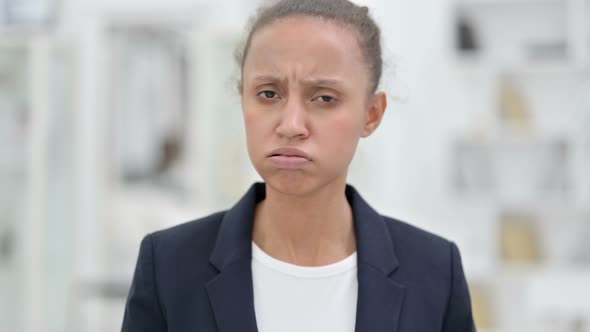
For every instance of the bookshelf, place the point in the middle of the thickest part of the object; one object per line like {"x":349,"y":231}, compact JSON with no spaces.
{"x":528,"y":162}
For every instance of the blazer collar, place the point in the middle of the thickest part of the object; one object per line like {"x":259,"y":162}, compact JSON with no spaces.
{"x":379,"y":298}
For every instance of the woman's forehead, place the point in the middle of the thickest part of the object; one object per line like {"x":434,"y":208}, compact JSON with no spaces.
{"x":304,"y":45}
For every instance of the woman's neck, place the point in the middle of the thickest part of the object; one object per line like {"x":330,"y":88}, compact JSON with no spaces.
{"x":314,"y":230}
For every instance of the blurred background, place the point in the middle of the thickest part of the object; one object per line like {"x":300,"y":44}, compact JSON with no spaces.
{"x":121,"y":117}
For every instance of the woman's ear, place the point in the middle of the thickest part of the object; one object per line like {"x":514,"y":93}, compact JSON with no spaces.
{"x":377,"y":106}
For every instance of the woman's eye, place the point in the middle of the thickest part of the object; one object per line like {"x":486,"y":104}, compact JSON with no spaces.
{"x":326,"y":99}
{"x":268,"y":94}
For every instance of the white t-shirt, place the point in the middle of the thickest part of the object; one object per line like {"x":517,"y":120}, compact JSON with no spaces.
{"x":294,"y":298}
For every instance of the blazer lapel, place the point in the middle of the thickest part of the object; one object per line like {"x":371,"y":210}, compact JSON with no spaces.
{"x":231,"y":292}
{"x":380,"y":298}
{"x":379,"y":302}
{"x":231,"y":295}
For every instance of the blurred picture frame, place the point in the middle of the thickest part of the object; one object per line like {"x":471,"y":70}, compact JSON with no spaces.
{"x":148,"y":105}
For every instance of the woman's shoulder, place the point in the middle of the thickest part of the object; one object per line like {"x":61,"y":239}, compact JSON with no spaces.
{"x":406,"y":232}
{"x":190,"y":238}
{"x":202,"y":226}
{"x":415,"y":245}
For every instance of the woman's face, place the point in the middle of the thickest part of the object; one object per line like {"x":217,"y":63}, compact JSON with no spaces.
{"x":306,"y":103}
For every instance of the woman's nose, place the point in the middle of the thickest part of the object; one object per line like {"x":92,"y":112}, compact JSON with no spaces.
{"x":293,"y":120}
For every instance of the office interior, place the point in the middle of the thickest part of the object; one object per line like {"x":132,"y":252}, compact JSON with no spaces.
{"x":121,"y":117}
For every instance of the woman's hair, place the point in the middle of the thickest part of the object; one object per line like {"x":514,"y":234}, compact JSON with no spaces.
{"x":339,"y":11}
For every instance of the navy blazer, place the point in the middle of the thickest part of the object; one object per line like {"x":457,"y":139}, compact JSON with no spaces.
{"x":197,"y":276}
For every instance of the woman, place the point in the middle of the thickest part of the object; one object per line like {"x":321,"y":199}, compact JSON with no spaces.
{"x":302,"y":251}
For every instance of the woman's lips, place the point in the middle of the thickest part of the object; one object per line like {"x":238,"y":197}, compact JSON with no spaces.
{"x":288,"y":162}
{"x":289,"y":152}
{"x":288,"y":158}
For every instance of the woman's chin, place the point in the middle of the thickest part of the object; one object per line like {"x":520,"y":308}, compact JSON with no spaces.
{"x":299,"y":184}
{"x":290,"y":183}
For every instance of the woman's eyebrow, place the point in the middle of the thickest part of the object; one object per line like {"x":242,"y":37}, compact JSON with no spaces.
{"x":267,"y":79}
{"x":328,"y":82}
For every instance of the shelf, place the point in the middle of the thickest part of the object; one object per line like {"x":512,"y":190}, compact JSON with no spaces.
{"x":509,"y":2}
{"x":547,"y":33}
{"x":506,"y":4}
{"x":466,"y":62}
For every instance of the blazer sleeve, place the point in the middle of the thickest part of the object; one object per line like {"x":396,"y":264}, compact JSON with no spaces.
{"x":458,"y":317}
{"x":143,"y":312}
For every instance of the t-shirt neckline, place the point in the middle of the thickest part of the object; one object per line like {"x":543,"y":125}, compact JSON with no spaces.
{"x":332,"y":269}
